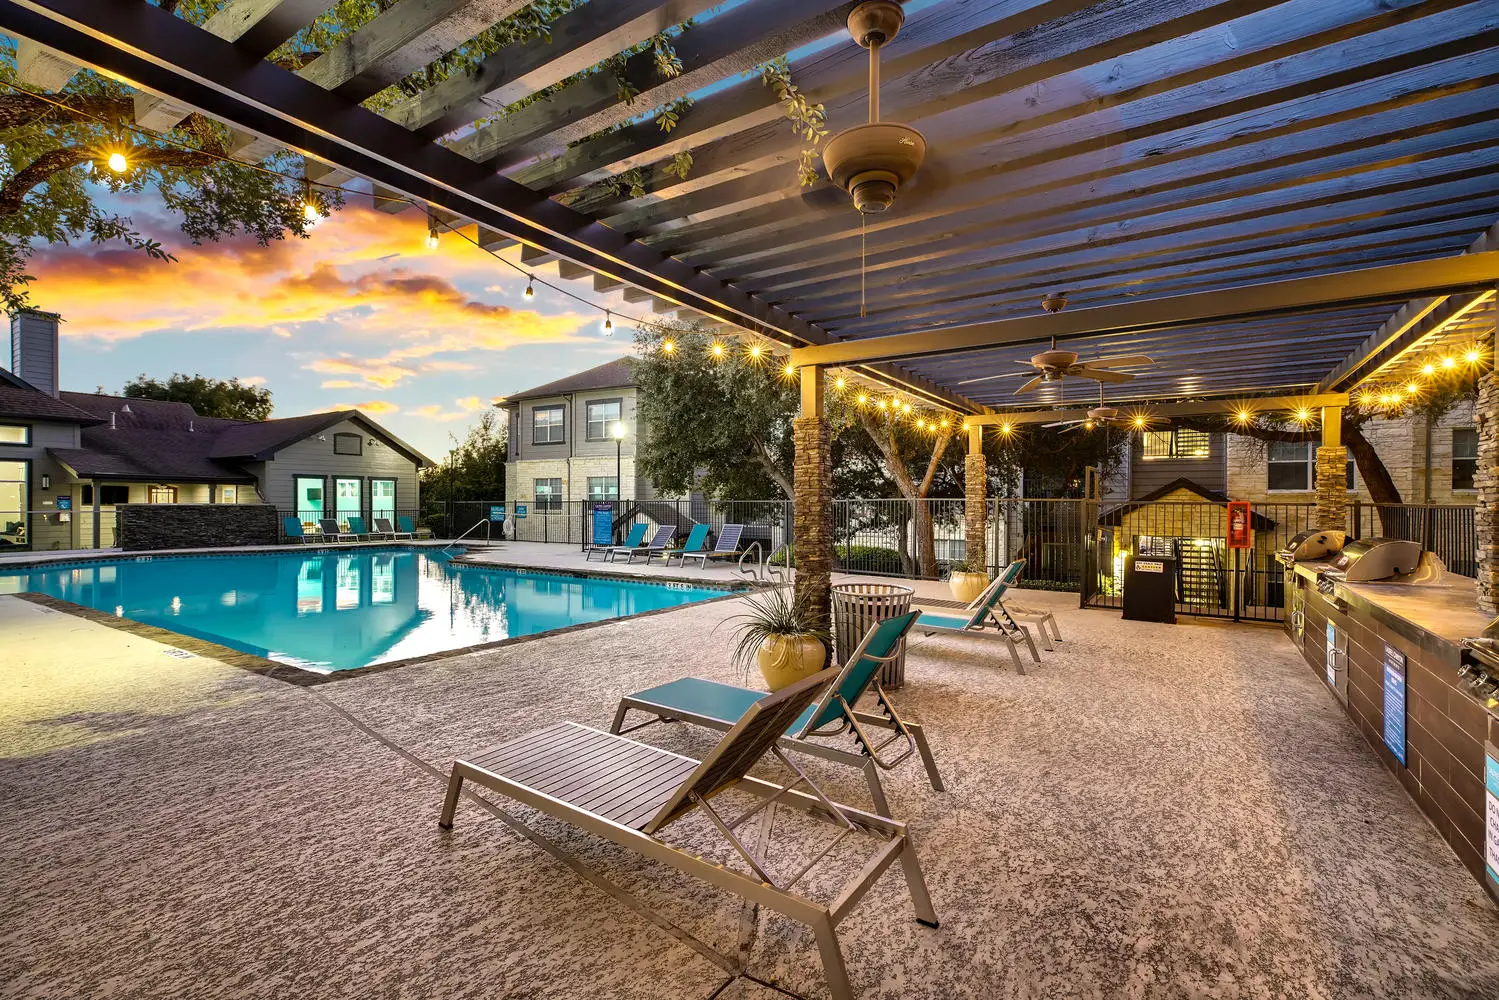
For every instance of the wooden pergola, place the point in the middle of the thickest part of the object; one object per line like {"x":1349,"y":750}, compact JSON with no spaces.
{"x":1269,"y":198}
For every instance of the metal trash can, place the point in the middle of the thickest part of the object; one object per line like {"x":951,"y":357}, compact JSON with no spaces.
{"x":859,"y":606}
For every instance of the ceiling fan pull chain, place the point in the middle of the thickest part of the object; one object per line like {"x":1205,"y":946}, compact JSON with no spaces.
{"x":862,"y":217}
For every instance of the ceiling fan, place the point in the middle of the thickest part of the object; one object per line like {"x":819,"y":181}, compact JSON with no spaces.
{"x":1102,"y":414}
{"x":1054,"y":365}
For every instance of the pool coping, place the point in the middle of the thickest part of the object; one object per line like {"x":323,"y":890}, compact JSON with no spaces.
{"x":297,"y":676}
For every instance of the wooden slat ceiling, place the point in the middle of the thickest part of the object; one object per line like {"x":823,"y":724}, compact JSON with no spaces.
{"x":1113,"y":149}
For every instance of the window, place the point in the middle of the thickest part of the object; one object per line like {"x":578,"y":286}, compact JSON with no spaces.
{"x":14,"y":493}
{"x":547,"y":425}
{"x":109,"y":496}
{"x":603,"y":414}
{"x":15,"y":434}
{"x":1464,"y":457}
{"x":1290,"y":466}
{"x":348,"y":444}
{"x":228,"y":494}
{"x":308,"y":494}
{"x":161,"y":494}
{"x":603,"y":488}
{"x":548,"y":494}
{"x":1179,"y":442}
{"x":383,"y":498}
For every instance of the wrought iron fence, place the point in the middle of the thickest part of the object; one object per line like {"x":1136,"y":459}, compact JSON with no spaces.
{"x":1446,"y":529}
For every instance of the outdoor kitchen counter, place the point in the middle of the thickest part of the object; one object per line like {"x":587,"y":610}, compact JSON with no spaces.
{"x":1394,"y":649}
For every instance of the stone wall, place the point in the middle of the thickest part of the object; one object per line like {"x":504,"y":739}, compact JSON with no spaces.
{"x":193,"y":526}
{"x":1486,"y":420}
{"x":1332,"y":487}
{"x":813,"y":524}
{"x":975,"y":510}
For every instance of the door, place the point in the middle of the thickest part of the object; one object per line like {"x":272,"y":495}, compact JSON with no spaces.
{"x":383,"y":499}
{"x":308,"y":491}
{"x":349,"y":496}
{"x":14,"y":519}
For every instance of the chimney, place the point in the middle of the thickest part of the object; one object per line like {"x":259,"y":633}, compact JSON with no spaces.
{"x":33,"y":348}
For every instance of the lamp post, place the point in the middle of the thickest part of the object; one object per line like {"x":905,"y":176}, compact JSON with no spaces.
{"x":618,"y":430}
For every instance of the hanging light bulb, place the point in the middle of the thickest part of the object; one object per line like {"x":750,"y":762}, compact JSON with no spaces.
{"x":1412,"y":389}
{"x":1139,"y":421}
{"x":905,"y":407}
{"x":1303,"y":415}
{"x":117,"y":162}
{"x":530,"y":289}
{"x":717,"y":349}
{"x":1471,"y":357}
{"x":1088,"y":424}
{"x":863,"y":398}
{"x":1449,"y":362}
{"x":755,"y":350}
{"x":789,"y":371}
{"x":608,"y":324}
{"x":839,"y":383}
{"x":432,"y":236}
{"x":1243,"y":417}
{"x":1005,"y":429}
{"x":1428,"y":369}
{"x":668,"y":346}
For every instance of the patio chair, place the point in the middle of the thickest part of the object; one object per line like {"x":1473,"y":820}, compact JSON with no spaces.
{"x":720,"y":706}
{"x":726,"y":547}
{"x":632,"y":540}
{"x":655,"y":547}
{"x":358,"y":528}
{"x":383,"y":525}
{"x":333,"y":533}
{"x":629,"y":793}
{"x":292,"y":529}
{"x":407,"y":527}
{"x":696,"y":544}
{"x":983,"y":614}
{"x":1016,"y":613}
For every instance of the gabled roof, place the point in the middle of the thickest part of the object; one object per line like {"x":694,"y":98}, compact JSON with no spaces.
{"x":22,"y":401}
{"x":259,"y":442}
{"x":1258,"y":522}
{"x":616,"y":374}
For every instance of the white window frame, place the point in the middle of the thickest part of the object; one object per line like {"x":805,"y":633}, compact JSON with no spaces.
{"x":1452,"y":466}
{"x":605,"y":495}
{"x":1309,"y":461}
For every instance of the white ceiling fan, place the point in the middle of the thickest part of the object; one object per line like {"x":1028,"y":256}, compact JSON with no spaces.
{"x":1054,"y":365}
{"x":1102,"y":414}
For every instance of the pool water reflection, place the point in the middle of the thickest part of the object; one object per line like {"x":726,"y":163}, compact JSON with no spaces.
{"x":337,"y":610}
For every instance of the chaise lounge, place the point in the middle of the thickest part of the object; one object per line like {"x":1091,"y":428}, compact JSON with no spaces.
{"x":658,"y":545}
{"x":632,"y":540}
{"x":726,"y":547}
{"x":985,"y":618}
{"x":333,"y":533}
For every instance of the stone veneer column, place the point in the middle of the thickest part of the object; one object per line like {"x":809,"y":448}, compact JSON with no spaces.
{"x":812,"y":528}
{"x":1486,"y":481}
{"x":1332,"y":472}
{"x":976,"y":501}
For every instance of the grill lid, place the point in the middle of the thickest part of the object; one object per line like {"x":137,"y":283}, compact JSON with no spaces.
{"x":1313,"y":544}
{"x":1370,"y":559}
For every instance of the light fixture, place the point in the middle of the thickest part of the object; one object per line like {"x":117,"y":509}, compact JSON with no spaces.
{"x":884,"y":405}
{"x":1412,"y":389}
{"x":717,"y":349}
{"x":1428,"y":369}
{"x":863,"y":398}
{"x":1471,"y":357}
{"x":1139,"y":421}
{"x":905,"y":407}
{"x":432,"y":235}
{"x":1005,"y":428}
{"x":117,"y":162}
{"x":618,"y":430}
{"x":1088,"y":424}
{"x":608,"y":323}
{"x":311,"y":212}
{"x":1449,"y":362}
{"x":1243,"y":416}
{"x":46,"y":481}
{"x":530,"y":289}
{"x":755,"y":350}
{"x":789,"y":371}
{"x":668,"y":346}
{"x":838,"y":383}
{"x":1303,"y":415}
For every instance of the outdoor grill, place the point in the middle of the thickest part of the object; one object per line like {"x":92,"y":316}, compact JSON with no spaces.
{"x":1309,"y":545}
{"x":1373,"y":559}
{"x":1480,"y":662}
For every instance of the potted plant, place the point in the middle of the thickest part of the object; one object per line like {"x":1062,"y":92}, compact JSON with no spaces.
{"x":782,"y":635}
{"x":966,"y":580}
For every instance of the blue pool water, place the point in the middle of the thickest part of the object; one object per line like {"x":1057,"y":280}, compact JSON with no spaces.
{"x":336,"y":610}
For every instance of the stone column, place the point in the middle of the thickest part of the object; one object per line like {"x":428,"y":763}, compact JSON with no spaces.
{"x":1486,"y":481}
{"x":976,"y":501}
{"x":812,"y":529}
{"x":1332,"y":472}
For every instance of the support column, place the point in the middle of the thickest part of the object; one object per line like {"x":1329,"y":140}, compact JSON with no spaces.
{"x":812,"y":528}
{"x":1332,"y":472}
{"x":1486,"y":482}
{"x":976,"y":502}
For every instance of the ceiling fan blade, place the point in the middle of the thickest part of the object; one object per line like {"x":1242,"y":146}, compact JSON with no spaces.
{"x":1102,"y":375}
{"x":1031,"y":384}
{"x":988,"y":378}
{"x":1061,"y":423}
{"x":1121,"y":361}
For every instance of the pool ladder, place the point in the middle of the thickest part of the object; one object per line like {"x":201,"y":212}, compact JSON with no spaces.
{"x":488,"y":537}
{"x":763,"y":569}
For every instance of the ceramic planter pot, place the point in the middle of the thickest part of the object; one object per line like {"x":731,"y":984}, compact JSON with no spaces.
{"x":786,"y":659}
{"x":966,"y":586}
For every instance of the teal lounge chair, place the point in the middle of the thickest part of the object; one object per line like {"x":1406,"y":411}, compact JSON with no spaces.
{"x":696,"y":544}
{"x":291,"y":527}
{"x":632,"y":541}
{"x":333,"y":533}
{"x":657,"y":546}
{"x":408,"y":528}
{"x":359,"y":530}
{"x":721,"y":706}
{"x":727,"y":546}
{"x":384,"y":527}
{"x":985,"y":617}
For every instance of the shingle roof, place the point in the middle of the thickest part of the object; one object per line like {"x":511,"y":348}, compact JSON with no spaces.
{"x":260,"y":441}
{"x":616,"y":374}
{"x":1115,"y":515}
{"x":18,"y":399}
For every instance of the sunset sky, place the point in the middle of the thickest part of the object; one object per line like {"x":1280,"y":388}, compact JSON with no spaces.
{"x":361,"y":315}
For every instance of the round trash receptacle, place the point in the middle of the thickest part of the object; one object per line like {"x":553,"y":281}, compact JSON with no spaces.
{"x":859,"y":606}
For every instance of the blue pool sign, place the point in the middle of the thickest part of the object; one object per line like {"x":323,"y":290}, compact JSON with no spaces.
{"x":1394,"y":702}
{"x":520,"y":510}
{"x":1491,"y":814}
{"x":497,"y":512}
{"x":64,"y":503}
{"x":603,"y":523}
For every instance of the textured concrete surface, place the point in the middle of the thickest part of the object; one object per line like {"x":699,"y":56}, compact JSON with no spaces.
{"x":1154,"y":811}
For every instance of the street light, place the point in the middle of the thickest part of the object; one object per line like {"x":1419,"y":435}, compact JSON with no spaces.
{"x":618,"y":430}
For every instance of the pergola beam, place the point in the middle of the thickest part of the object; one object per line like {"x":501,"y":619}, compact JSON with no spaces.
{"x":1311,"y":402}
{"x":1471,"y":272}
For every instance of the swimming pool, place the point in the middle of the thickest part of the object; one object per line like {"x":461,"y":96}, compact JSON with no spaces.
{"x":339,"y":610}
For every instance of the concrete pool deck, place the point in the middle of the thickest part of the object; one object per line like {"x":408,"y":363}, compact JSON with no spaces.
{"x":1154,"y":811}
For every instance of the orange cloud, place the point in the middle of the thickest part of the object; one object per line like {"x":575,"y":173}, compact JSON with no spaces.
{"x":433,"y":411}
{"x":374,"y":407}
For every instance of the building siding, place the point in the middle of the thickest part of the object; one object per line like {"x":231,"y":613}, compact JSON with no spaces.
{"x":575,"y":459}
{"x":1148,"y":475}
{"x":312,"y":457}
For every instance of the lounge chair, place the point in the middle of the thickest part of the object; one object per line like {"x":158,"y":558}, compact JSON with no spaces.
{"x":333,"y":533}
{"x":696,"y":544}
{"x":726,"y":547}
{"x":629,"y":793}
{"x":655,"y":547}
{"x":410,"y":529}
{"x":721,"y":706}
{"x":292,"y":529}
{"x":632,"y":540}
{"x":384,"y":527}
{"x":1016,"y":613}
{"x":358,"y":528}
{"x":984,"y":615}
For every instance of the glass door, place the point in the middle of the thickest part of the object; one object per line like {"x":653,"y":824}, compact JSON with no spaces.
{"x":383,"y":499}
{"x":349,"y":496}
{"x":308,"y":491}
{"x":14,"y":521}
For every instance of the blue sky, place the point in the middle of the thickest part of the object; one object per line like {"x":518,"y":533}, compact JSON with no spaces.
{"x":361,"y":314}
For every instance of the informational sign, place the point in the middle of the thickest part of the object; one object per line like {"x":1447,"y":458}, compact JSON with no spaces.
{"x":1149,"y":566}
{"x":64,"y":503}
{"x":1491,"y":815}
{"x":520,"y":511}
{"x":1240,"y":535}
{"x":1394,"y":702}
{"x":603,"y":523}
{"x":1332,"y":654}
{"x":497,"y":512}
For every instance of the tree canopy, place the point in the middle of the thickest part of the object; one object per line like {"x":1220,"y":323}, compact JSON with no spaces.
{"x":210,"y":397}
{"x":473,"y":469}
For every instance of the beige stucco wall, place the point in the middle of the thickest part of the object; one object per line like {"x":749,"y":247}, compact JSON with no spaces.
{"x":520,"y":477}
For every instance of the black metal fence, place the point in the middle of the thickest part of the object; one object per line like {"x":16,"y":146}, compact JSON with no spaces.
{"x":1447,"y":530}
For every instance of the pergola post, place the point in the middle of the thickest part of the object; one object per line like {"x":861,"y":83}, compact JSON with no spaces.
{"x":1486,"y":482}
{"x":812,"y":529}
{"x":976,"y":502}
{"x":1332,"y":472}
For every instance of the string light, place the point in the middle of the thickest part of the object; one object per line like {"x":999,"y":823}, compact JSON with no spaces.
{"x":839,"y":383}
{"x":1088,"y":424}
{"x":530,"y":288}
{"x":755,"y":350}
{"x":789,"y":371}
{"x":905,"y":407}
{"x":863,"y":398}
{"x":1302,"y":416}
{"x":432,"y":236}
{"x":1412,"y":388}
{"x":608,"y":323}
{"x":717,"y":349}
{"x":1243,"y":417}
{"x":1471,"y":357}
{"x":1005,"y":429}
{"x":1449,"y":362}
{"x":1139,"y":421}
{"x":117,"y":162}
{"x":1428,"y":369}
{"x":668,"y":345}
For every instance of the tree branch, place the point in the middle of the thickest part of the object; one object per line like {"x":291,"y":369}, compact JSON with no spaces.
{"x":771,"y":469}
{"x":14,"y":191}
